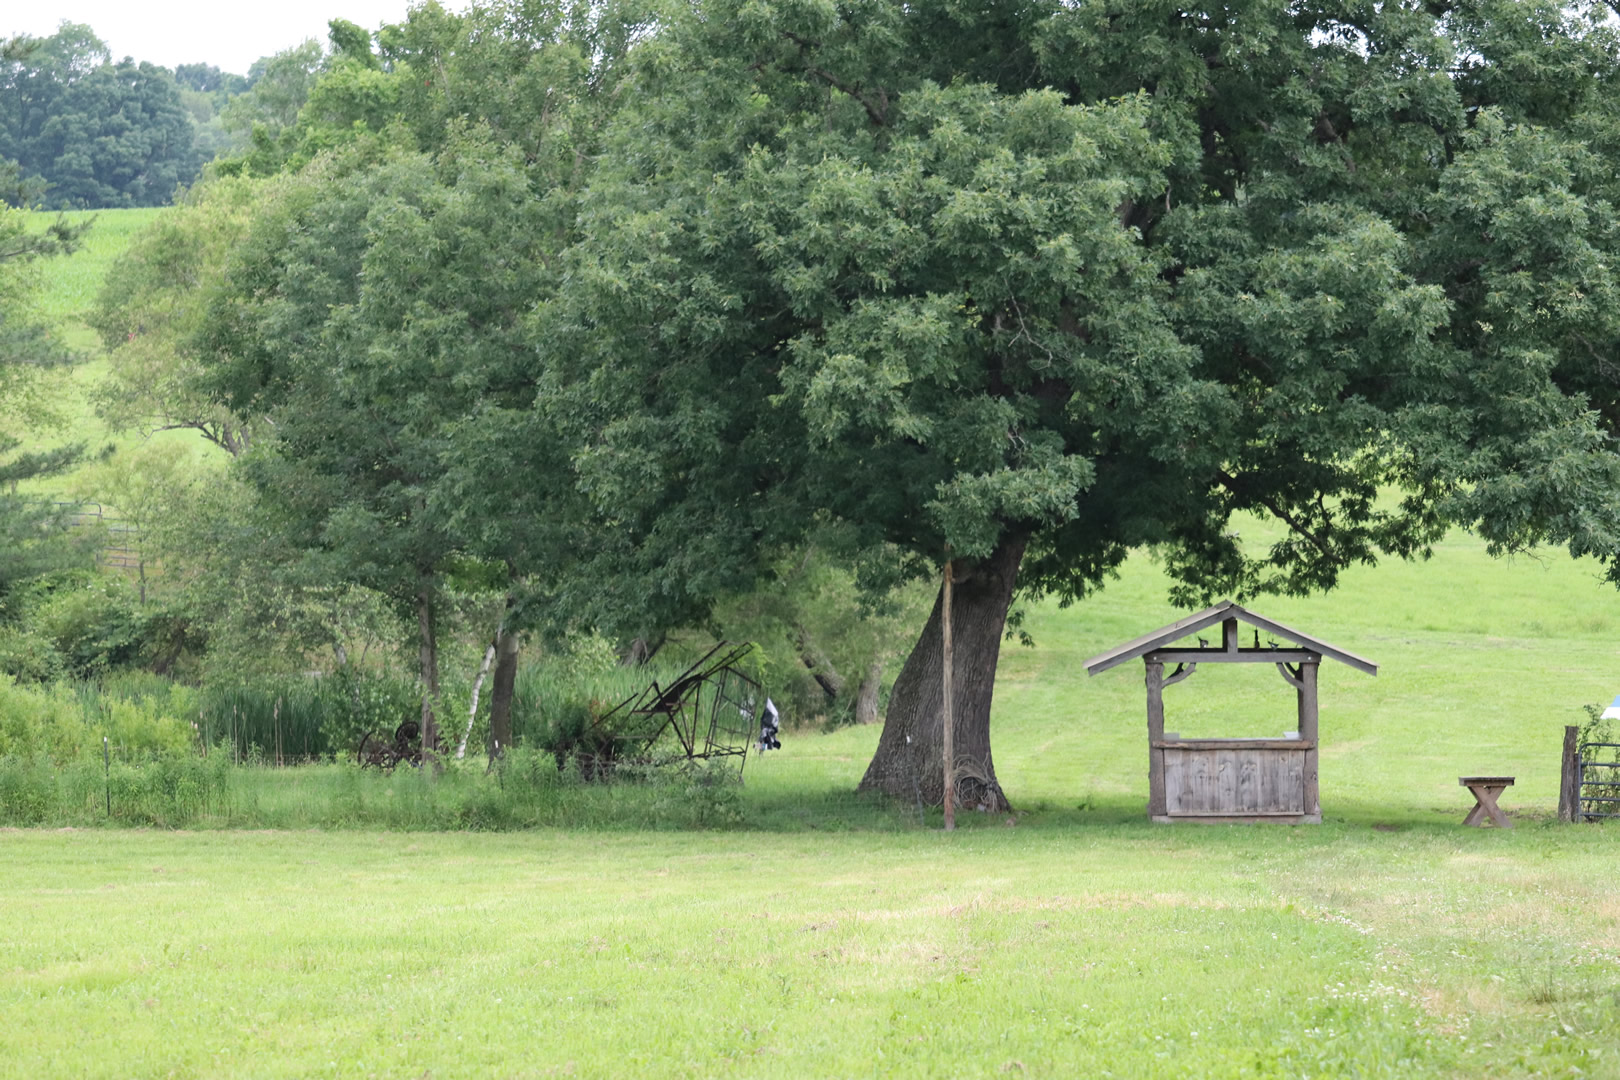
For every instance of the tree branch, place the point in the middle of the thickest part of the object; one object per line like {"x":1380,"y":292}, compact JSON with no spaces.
{"x":1294,"y":523}
{"x":878,"y":111}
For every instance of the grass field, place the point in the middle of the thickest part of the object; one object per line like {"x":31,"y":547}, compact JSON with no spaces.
{"x":67,"y":296}
{"x":828,"y":937}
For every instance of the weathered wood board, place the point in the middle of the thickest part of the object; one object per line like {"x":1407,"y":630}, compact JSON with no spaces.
{"x":1249,"y":781}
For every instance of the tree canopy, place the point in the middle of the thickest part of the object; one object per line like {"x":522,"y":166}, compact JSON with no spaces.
{"x":1041,"y":283}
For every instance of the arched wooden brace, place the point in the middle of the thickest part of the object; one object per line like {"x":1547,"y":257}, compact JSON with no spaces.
{"x":1182,"y":671}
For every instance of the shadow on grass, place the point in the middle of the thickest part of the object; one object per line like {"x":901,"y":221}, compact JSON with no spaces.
{"x":191,"y":793}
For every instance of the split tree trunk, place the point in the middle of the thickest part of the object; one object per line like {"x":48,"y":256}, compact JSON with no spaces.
{"x":907,"y":763}
{"x":820,"y":667}
{"x":500,"y":694}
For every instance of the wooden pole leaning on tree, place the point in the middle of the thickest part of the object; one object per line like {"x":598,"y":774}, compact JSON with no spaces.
{"x":948,"y":718}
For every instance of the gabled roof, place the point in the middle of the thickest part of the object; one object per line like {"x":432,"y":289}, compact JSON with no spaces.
{"x":1222,"y":611}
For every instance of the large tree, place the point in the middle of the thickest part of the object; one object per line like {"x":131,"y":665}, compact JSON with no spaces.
{"x":152,"y":306}
{"x":1024,"y":286}
{"x":376,"y":305}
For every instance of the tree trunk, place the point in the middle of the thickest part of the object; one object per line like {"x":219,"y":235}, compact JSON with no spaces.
{"x":641,"y":651}
{"x":500,"y":694}
{"x":478,"y":686}
{"x":428,"y":656}
{"x":907,"y":762}
{"x":820,"y":667}
{"x":866,"y":698}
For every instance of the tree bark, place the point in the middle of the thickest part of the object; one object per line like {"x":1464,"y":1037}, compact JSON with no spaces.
{"x":907,"y":762}
{"x":428,"y":658}
{"x":866,"y":698}
{"x":641,"y":651}
{"x":500,"y":694}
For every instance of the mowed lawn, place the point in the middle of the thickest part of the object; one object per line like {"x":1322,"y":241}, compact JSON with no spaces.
{"x":831,"y":938}
{"x":1116,"y":950}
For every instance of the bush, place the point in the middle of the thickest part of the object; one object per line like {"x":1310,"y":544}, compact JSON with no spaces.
{"x":557,"y":706}
{"x":29,"y":658}
{"x":91,"y":620}
{"x":63,"y":725}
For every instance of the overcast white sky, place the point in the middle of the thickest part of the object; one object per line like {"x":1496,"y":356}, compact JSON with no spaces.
{"x":228,"y":33}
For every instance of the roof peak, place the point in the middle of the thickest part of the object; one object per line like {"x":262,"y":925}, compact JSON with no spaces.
{"x":1220,"y":612}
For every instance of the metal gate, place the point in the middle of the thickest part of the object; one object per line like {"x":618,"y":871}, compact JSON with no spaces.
{"x":1598,"y":782}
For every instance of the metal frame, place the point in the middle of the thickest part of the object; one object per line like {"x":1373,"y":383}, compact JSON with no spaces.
{"x":709,"y":708}
{"x":1582,"y":783}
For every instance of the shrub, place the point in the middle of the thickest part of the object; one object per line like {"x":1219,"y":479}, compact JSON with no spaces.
{"x":92,"y":620}
{"x":29,"y":657}
{"x":63,"y":725}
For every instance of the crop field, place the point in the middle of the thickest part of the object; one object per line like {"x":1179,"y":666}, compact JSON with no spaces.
{"x":822,"y":935}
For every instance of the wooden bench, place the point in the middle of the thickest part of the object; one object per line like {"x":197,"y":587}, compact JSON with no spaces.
{"x":1486,"y":789}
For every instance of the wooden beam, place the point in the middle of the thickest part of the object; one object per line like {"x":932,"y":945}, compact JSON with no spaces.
{"x":1569,"y":787}
{"x":1162,"y":636}
{"x":1155,"y":718}
{"x":1183,"y":671}
{"x":1234,"y":744}
{"x":1307,"y":734}
{"x":1236,"y":656}
{"x":1228,"y":614}
{"x":949,"y":718}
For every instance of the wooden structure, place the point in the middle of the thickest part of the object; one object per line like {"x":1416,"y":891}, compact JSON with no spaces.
{"x":1486,"y":790}
{"x":1231,"y":780}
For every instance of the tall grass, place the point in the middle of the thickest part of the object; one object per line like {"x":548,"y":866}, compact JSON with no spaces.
{"x":574,"y":715}
{"x":279,"y":722}
{"x":525,"y":790}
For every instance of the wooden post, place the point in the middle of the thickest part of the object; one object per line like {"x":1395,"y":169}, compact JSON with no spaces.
{"x":948,"y":718}
{"x":1158,"y":807}
{"x":1569,"y":786}
{"x":1307,"y":733}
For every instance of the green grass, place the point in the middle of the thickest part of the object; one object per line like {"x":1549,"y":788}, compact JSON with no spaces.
{"x":824,"y":935}
{"x":1116,"y":950}
{"x":71,"y":283}
{"x":68,"y":293}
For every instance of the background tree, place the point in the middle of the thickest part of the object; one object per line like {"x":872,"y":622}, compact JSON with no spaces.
{"x":205,"y":90}
{"x":32,"y":528}
{"x":99,"y":133}
{"x":364,"y":316}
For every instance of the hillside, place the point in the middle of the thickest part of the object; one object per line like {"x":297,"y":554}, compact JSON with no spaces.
{"x":67,"y":295}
